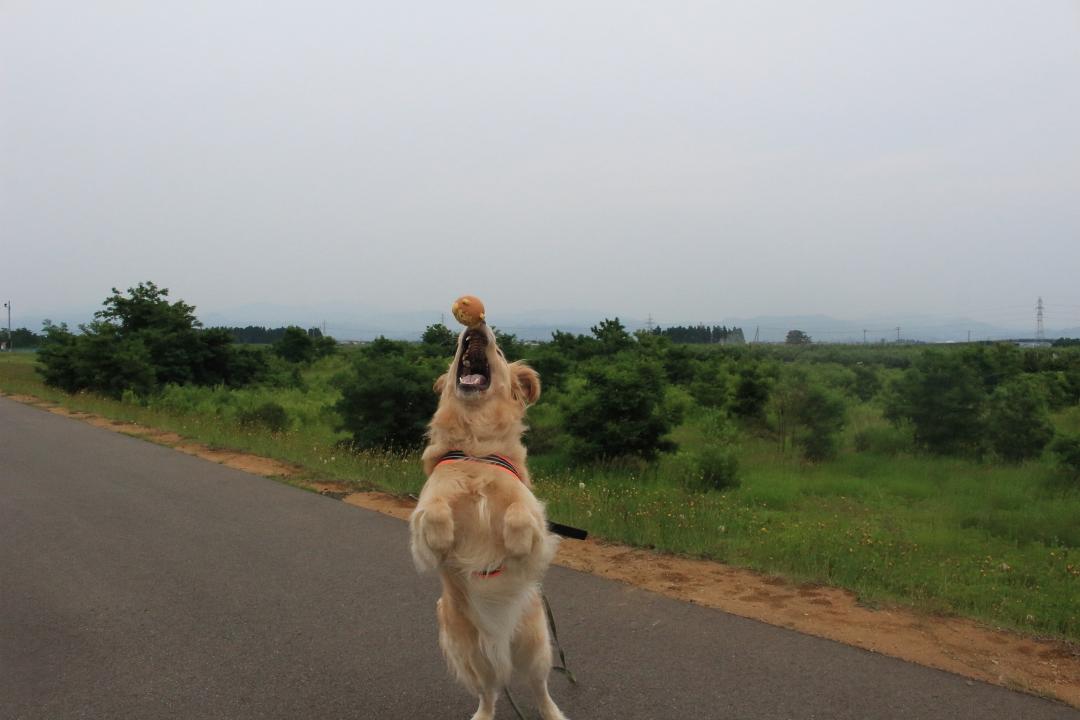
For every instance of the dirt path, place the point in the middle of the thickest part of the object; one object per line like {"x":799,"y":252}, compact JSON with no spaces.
{"x":1045,"y":667}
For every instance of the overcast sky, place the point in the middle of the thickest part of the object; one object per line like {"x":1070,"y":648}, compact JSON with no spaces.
{"x":690,"y":160}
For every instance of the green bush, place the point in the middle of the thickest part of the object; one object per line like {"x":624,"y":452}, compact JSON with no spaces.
{"x":884,"y":439}
{"x":822,"y":414}
{"x":545,"y":433}
{"x":1018,"y":422}
{"x":715,"y":467}
{"x":269,"y":415}
{"x":387,"y":398}
{"x":751,"y":393}
{"x":1067,"y":450}
{"x":808,"y":413}
{"x":943,"y":398}
{"x":439,"y":341}
{"x":142,"y":342}
{"x":618,"y":407}
{"x":295,"y":346}
{"x":867,"y":382}
{"x":711,"y":385}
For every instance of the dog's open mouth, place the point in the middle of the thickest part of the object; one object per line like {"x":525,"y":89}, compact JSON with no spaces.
{"x":473,"y":374}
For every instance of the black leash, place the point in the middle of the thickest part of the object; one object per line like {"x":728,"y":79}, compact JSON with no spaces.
{"x":555,"y":636}
{"x":513,"y":704}
{"x":567,"y":531}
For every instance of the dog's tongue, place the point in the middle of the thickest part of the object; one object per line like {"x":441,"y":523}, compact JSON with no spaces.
{"x":474,"y":379}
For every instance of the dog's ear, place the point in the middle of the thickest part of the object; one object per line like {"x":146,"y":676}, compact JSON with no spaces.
{"x":526,"y":382}
{"x":440,"y":383}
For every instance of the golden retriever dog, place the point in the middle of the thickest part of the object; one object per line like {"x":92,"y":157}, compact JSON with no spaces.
{"x":479,"y":524}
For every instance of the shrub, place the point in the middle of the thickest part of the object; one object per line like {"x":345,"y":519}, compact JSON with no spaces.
{"x":387,"y":398}
{"x":751,"y":393}
{"x":325,"y":346}
{"x":269,"y":415}
{"x":439,"y":340}
{"x":1067,"y":450}
{"x":884,"y":440}
{"x":943,"y":399}
{"x":612,"y":336}
{"x":99,"y":359}
{"x":810,"y":414}
{"x":512,"y":348}
{"x":141,"y":342}
{"x":711,"y":386}
{"x":822,"y":415}
{"x":618,"y":408}
{"x":295,"y":346}
{"x":551,"y":363}
{"x":545,"y":426}
{"x":717,"y":468}
{"x":1018,"y":422}
{"x":867,"y":382}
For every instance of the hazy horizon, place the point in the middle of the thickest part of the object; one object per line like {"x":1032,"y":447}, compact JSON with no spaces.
{"x":690,"y":162}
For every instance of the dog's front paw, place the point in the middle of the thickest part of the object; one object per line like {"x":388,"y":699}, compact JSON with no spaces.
{"x":521,"y":530}
{"x":432,"y":529}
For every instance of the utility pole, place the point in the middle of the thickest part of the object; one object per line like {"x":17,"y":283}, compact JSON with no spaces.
{"x":10,"y":337}
{"x":1040,"y":334}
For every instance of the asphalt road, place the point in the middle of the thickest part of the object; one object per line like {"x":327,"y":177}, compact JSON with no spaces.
{"x":139,"y":582}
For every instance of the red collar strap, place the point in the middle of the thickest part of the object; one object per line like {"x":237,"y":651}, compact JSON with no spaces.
{"x":482,"y":574}
{"x":496,"y":460}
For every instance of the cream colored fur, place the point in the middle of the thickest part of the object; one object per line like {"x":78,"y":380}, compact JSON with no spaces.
{"x":473,"y":517}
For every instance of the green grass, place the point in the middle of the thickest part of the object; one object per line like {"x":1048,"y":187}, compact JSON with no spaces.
{"x":997,"y":543}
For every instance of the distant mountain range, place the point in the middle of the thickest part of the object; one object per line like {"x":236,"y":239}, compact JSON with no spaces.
{"x":358,"y":324}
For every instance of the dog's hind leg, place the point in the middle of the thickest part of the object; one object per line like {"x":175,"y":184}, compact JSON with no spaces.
{"x":486,"y":711}
{"x":532,"y":656}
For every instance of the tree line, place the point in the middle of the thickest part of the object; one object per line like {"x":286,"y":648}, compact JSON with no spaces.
{"x":259,"y":335}
{"x":701,"y":334}
{"x":610,"y":393}
{"x":140,"y":342}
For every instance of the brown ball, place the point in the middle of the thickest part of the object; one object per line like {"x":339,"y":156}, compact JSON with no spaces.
{"x":469,"y":310}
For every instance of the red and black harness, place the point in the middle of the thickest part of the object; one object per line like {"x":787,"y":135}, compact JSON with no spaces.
{"x":501,"y":461}
{"x":496,"y":460}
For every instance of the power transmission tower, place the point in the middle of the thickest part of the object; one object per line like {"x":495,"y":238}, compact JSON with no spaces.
{"x":864,"y":336}
{"x":1040,"y":334}
{"x":650,"y":324}
{"x":757,"y":334}
{"x":897,"y":333}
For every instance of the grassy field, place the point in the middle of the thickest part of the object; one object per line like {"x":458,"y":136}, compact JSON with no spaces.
{"x":997,"y":543}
